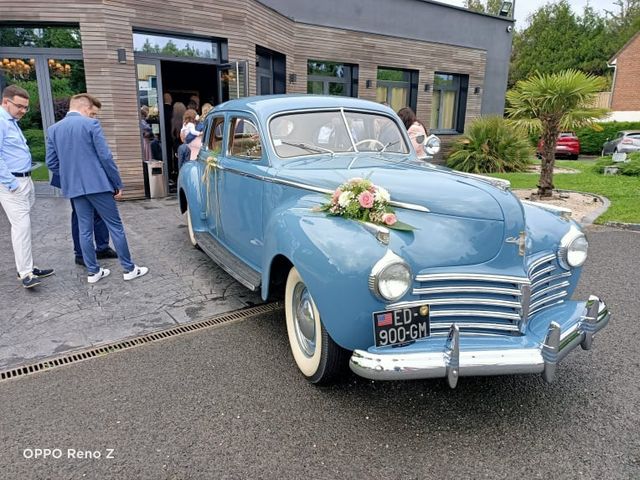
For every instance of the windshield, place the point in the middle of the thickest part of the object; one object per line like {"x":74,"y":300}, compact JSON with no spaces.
{"x":337,"y":131}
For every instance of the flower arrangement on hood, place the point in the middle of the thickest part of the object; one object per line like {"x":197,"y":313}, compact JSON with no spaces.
{"x":359,"y":199}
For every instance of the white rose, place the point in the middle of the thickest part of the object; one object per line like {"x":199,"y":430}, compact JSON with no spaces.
{"x":382,"y":195}
{"x":344,"y":199}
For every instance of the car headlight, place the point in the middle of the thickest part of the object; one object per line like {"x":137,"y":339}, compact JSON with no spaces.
{"x":573,"y":249}
{"x":390,"y":277}
{"x":432,"y":145}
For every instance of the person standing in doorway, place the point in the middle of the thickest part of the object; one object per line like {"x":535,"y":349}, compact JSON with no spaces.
{"x":100,"y":231}
{"x":77,"y":150}
{"x":176,"y":127}
{"x":17,"y":194}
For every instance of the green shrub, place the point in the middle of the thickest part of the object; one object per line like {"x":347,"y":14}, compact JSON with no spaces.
{"x":490,"y":145}
{"x":35,"y":140}
{"x":591,"y":141}
{"x":630,"y":168}
{"x":598,"y":167}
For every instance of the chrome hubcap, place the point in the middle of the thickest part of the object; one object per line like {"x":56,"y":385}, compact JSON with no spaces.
{"x":304,"y":320}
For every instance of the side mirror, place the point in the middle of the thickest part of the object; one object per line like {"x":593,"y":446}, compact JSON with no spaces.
{"x":432,"y":145}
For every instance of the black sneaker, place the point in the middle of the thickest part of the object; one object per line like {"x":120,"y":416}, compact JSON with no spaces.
{"x":30,"y":281}
{"x":80,"y":261}
{"x":106,"y":253}
{"x":42,"y":272}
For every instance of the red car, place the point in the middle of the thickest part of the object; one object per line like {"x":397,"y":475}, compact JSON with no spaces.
{"x":568,"y":146}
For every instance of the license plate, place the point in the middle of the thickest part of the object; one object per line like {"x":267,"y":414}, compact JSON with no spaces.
{"x":403,"y":325}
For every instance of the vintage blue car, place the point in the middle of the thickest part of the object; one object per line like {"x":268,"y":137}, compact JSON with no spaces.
{"x":395,"y":266}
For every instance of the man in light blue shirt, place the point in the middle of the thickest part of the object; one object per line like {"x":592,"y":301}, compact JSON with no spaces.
{"x":17,"y":194}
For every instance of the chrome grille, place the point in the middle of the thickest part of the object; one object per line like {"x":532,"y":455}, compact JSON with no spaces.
{"x":549,"y":283}
{"x":479,"y":303}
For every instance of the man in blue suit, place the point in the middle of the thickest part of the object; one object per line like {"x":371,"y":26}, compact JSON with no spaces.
{"x":77,"y":151}
{"x":100,"y":231}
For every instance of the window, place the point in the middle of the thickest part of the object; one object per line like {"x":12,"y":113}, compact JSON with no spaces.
{"x":271,"y":70}
{"x":330,"y":78}
{"x":174,"y":46}
{"x":41,"y":37}
{"x":397,"y":88}
{"x":449,"y":102}
{"x":216,"y":129}
{"x":244,"y":139}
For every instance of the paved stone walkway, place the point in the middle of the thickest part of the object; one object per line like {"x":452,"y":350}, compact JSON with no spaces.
{"x":65,"y":313}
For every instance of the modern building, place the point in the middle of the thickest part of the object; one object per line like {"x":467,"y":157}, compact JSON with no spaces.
{"x":625,"y":100}
{"x":449,"y":64}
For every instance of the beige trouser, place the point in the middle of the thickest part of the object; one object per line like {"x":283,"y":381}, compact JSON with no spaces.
{"x":17,"y":205}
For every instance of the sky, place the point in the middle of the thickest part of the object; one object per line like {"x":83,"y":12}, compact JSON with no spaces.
{"x":524,"y":8}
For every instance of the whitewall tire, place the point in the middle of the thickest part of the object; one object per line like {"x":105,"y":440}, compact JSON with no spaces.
{"x":317,"y":356}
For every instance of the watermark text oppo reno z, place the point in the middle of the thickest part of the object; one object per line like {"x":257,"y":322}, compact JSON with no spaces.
{"x":67,"y":453}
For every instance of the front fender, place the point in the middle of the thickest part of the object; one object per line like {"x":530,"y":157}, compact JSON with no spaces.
{"x":334,"y":257}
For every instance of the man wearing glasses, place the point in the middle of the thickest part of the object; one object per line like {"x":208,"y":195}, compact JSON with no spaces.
{"x":17,"y":194}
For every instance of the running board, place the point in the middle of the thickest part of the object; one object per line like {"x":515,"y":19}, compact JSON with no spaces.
{"x":246,"y":275}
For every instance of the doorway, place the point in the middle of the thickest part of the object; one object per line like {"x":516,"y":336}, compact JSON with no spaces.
{"x":167,"y":88}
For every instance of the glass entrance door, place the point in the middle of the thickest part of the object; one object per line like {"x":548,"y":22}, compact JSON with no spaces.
{"x":232,"y":81}
{"x":155,"y":137}
{"x":51,"y":82}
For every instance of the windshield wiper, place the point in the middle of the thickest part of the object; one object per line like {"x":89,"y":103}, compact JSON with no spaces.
{"x":387,"y":145}
{"x":308,"y":147}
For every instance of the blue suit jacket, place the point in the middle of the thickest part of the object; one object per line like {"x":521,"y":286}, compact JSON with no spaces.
{"x":79,"y":157}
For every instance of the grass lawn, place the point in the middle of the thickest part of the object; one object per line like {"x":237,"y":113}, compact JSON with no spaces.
{"x":40,"y":173}
{"x":623,"y":191}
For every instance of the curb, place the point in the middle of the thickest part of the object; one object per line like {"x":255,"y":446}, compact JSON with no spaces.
{"x":625,"y":226}
{"x":589,"y":218}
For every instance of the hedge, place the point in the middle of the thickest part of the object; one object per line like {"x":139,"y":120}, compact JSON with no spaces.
{"x":591,"y":141}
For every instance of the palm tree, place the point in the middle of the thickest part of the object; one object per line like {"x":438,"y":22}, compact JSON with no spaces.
{"x":551,"y":103}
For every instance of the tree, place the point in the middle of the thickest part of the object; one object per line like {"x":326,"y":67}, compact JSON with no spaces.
{"x":489,"y":6}
{"x":551,"y":103}
{"x":556,"y":39}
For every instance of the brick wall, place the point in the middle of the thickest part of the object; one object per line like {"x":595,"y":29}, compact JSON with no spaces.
{"x":627,"y":80}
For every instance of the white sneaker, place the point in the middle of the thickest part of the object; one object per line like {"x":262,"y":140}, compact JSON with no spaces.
{"x":135,"y":273}
{"x":103,"y":272}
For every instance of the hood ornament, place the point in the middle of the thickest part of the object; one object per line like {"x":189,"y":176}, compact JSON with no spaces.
{"x":521,"y":241}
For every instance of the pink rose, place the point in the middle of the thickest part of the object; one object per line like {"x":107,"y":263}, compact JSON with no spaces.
{"x":389,"y":218}
{"x":366,"y":199}
{"x":336,"y":195}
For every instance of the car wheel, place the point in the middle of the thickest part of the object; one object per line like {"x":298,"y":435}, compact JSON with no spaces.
{"x":573,"y":157}
{"x":317,"y":356}
{"x":192,"y":235}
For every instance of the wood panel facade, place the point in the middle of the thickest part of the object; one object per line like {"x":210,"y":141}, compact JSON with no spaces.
{"x":108,"y":25}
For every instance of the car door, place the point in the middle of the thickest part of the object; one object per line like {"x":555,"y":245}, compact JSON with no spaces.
{"x":240,"y":189}
{"x":610,"y":146}
{"x":208,"y":157}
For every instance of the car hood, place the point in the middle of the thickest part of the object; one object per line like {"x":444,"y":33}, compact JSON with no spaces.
{"x":440,"y":190}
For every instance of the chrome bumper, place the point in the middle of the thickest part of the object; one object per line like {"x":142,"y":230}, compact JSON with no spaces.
{"x":451,"y":363}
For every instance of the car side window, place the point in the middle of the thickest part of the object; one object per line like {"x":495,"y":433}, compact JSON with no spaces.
{"x":244,"y":139}
{"x":215,"y":135}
